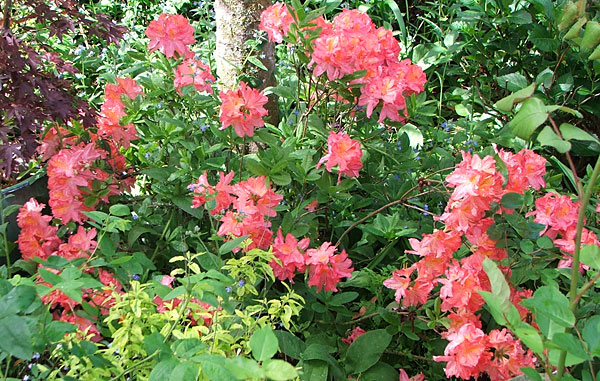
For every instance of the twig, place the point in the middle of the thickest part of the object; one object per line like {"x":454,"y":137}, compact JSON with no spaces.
{"x":416,"y":357}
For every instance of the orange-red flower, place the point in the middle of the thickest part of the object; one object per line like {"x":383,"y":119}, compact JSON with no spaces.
{"x":243,"y":109}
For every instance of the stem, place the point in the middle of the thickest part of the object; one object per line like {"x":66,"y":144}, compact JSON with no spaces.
{"x":5,"y":375}
{"x":373,"y":213}
{"x":573,"y":295}
{"x":4,"y":239}
{"x":416,"y":357}
{"x":570,"y":160}
{"x":6,"y":14}
{"x":162,"y":236}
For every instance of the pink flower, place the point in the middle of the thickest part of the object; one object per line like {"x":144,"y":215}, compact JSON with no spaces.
{"x":255,"y":197}
{"x":343,"y":152}
{"x":193,"y":72}
{"x":404,"y":376}
{"x":203,"y":191}
{"x":276,"y":20}
{"x":312,"y":206}
{"x":171,"y":34}
{"x":326,"y":269}
{"x":356,"y":333}
{"x":399,"y":281}
{"x":243,"y":109}
{"x":288,"y":252}
{"x":466,"y":349}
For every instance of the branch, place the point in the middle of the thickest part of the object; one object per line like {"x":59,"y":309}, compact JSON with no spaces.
{"x":6,"y":14}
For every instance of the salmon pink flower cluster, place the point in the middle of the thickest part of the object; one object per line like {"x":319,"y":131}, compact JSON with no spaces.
{"x":559,"y":214}
{"x":243,"y":109}
{"x":353,"y":43}
{"x":477,"y":184}
{"x":325,"y":268}
{"x":343,"y":152}
{"x":73,"y":168}
{"x":38,"y":239}
{"x":171,"y":34}
{"x":276,"y":21}
{"x":195,"y":73}
{"x":252,"y":201}
{"x":290,"y":253}
{"x":113,"y":109}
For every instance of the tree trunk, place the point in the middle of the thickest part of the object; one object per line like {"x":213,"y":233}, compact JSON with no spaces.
{"x":237,"y":22}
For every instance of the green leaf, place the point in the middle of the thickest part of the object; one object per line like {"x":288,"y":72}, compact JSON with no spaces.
{"x":160,"y":174}
{"x":343,"y":298}
{"x":49,"y":276}
{"x":279,"y":370}
{"x":590,"y":255}
{"x":399,"y":18}
{"x":591,"y":335}
{"x":547,"y":137}
{"x":17,"y":300}
{"x":571,"y":344}
{"x":380,"y":372}
{"x":290,"y":344}
{"x":512,"y":82}
{"x":530,"y":116}
{"x":185,"y":203}
{"x":186,"y":370}
{"x":136,"y":232}
{"x":500,"y":287}
{"x":314,"y":370}
{"x":243,"y":368}
{"x":512,"y":200}
{"x":506,"y":104}
{"x":214,"y":368}
{"x":155,"y":342}
{"x":230,"y":245}
{"x":119,"y":210}
{"x":543,"y":39}
{"x":531,"y":373}
{"x":530,"y":337}
{"x":256,"y":62}
{"x":366,"y":350}
{"x":176,"y":292}
{"x":163,"y":370}
{"x":570,"y":132}
{"x":263,"y":343}
{"x":15,"y":337}
{"x":96,"y":216}
{"x":281,"y":179}
{"x":551,"y":303}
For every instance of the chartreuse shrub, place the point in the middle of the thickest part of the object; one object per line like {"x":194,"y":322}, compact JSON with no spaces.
{"x":186,"y":238}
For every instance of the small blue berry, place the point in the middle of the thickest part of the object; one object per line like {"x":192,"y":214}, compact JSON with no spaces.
{"x":134,"y":215}
{"x":241,"y":283}
{"x":135,"y":277}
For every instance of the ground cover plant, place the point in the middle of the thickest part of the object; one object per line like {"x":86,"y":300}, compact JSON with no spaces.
{"x":424,"y":208}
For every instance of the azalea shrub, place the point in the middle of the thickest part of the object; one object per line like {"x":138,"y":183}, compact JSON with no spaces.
{"x":189,"y":236}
